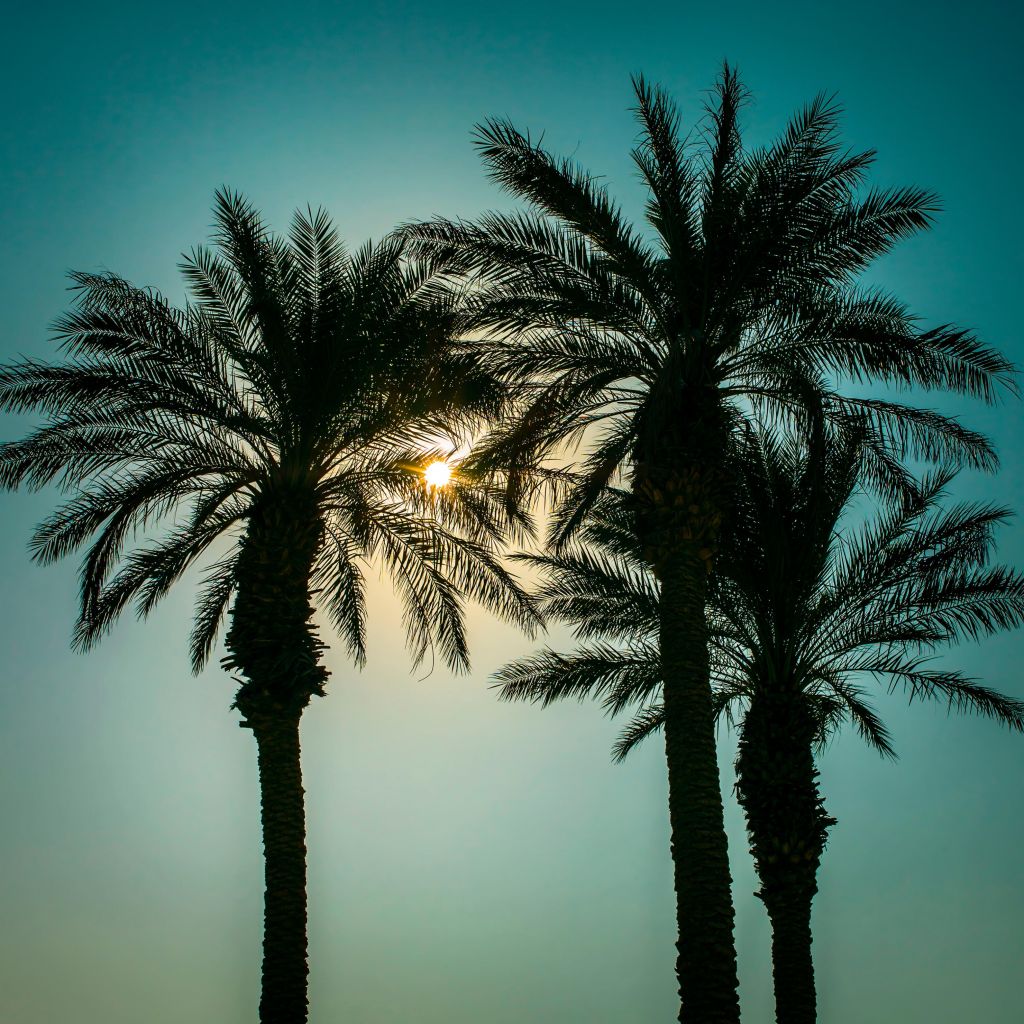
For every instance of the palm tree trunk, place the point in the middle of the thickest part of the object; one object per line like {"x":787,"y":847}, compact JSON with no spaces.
{"x":680,"y":489}
{"x":776,"y":782}
{"x":283,"y":815}
{"x":792,"y":963}
{"x":706,"y":960}
{"x":273,"y":642}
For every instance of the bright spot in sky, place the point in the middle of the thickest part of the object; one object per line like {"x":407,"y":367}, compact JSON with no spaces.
{"x":437,"y":474}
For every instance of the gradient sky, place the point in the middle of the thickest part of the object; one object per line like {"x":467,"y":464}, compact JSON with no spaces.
{"x":469,"y":861}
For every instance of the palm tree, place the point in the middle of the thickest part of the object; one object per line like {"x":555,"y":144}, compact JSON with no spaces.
{"x":280,"y":420}
{"x":651,"y":346}
{"x":799,"y":615}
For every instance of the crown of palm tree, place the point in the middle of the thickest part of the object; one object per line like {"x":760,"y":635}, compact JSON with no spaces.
{"x":794,"y":604}
{"x":741,"y":286}
{"x":295,"y":368}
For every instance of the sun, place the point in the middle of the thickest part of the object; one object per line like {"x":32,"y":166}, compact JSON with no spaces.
{"x":437,"y":474}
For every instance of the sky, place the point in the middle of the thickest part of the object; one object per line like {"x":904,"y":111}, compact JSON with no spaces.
{"x":469,"y":860}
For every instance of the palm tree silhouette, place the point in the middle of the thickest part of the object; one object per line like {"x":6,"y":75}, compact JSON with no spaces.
{"x":799,"y":613}
{"x":650,"y":347}
{"x":280,"y":420}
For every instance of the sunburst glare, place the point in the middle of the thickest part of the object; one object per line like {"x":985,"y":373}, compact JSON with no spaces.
{"x":437,"y":474}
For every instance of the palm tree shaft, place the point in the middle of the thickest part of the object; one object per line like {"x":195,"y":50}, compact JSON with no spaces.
{"x":706,"y":960}
{"x":273,"y":643}
{"x":792,"y":963}
{"x":284,"y":842}
{"x":776,"y":782}
{"x":678,"y":493}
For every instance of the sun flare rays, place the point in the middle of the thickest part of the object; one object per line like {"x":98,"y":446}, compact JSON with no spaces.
{"x":437,"y":474}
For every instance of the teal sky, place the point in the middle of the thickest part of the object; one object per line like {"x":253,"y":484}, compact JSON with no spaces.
{"x":469,"y":861}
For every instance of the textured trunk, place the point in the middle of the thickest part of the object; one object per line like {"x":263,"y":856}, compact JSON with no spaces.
{"x":273,"y":644}
{"x":680,"y":487}
{"x":787,"y":825}
{"x":706,"y":960}
{"x":792,"y":964}
{"x":284,"y":844}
